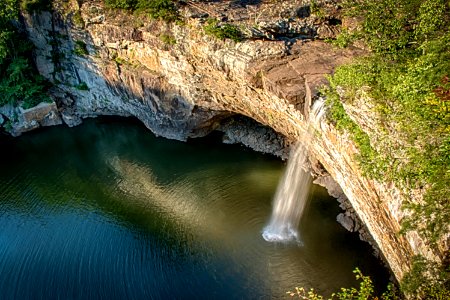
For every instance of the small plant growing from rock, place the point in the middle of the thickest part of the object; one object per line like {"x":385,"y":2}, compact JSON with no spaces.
{"x":317,"y":10}
{"x":36,"y":5}
{"x":122,"y":4}
{"x":365,"y":291}
{"x":168,"y":39}
{"x":82,"y":86}
{"x":77,"y":20}
{"x":8,"y":125}
{"x":80,"y":48}
{"x":122,"y":61}
{"x":344,"y":39}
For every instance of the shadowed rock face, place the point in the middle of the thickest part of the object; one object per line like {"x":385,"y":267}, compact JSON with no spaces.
{"x":199,"y":84}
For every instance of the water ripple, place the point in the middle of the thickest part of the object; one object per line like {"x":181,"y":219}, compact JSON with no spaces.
{"x":107,"y":211}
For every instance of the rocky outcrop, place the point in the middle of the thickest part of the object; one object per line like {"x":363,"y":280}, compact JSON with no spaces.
{"x":348,"y":218}
{"x":108,"y":63}
{"x":255,"y":136}
{"x":22,"y":120}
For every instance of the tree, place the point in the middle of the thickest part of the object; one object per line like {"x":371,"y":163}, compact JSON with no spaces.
{"x":8,"y":11}
{"x":19,"y":81}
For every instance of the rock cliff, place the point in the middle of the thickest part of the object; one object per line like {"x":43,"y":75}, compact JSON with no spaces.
{"x":182,"y":83}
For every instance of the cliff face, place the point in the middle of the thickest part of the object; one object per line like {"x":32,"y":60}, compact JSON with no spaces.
{"x":104,"y":63}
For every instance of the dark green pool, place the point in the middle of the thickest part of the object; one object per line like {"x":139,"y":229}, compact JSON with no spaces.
{"x":107,"y":211}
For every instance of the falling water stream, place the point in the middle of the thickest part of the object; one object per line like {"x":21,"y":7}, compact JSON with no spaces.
{"x":290,"y":200}
{"x":293,"y":190}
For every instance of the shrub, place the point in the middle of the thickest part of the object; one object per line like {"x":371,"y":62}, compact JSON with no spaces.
{"x":8,"y":125}
{"x":82,"y":86}
{"x":391,"y":26}
{"x":77,"y":20}
{"x":224,"y":31}
{"x":364,"y":292}
{"x":123,"y":4}
{"x":427,"y":278}
{"x":19,"y":80}
{"x":80,"y":48}
{"x":159,"y":9}
{"x":120,"y":60}
{"x":168,"y":39}
{"x":36,"y":5}
{"x":21,"y":84}
{"x":344,"y":39}
{"x":317,"y":10}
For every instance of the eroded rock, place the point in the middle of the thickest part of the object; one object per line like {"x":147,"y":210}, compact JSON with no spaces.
{"x":23,"y":120}
{"x":346,"y":222}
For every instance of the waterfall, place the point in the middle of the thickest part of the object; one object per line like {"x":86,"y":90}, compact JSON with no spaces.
{"x":293,"y":190}
{"x":290,"y":199}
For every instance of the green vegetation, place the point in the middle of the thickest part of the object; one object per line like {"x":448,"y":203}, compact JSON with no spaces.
{"x":406,"y":78}
{"x":427,"y":279}
{"x":365,"y":291}
{"x":223,"y":31}
{"x":167,"y":11}
{"x":344,"y":39}
{"x":168,"y":39}
{"x":19,"y":81}
{"x":35,"y":5}
{"x":122,"y":4}
{"x":120,"y":61}
{"x":77,"y":20}
{"x":8,"y":125}
{"x":317,"y":10}
{"x":157,"y":9}
{"x":80,"y":48}
{"x":82,"y":86}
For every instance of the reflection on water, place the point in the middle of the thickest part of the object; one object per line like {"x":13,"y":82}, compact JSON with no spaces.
{"x":106,"y":210}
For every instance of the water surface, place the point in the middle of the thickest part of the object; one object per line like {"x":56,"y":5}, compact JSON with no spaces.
{"x":108,"y":211}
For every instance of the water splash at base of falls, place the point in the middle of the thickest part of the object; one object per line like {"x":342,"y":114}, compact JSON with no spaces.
{"x":293,"y":190}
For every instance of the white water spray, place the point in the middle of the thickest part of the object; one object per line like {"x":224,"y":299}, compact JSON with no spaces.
{"x":293,"y":190}
{"x":290,"y":200}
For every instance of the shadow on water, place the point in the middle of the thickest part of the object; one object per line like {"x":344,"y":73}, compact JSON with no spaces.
{"x":107,"y":210}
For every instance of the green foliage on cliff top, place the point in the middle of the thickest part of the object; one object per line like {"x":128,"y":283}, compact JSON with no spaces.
{"x":156,"y":9}
{"x":223,"y":31}
{"x":19,"y":81}
{"x":35,"y":5}
{"x":159,"y":9}
{"x":122,"y":4}
{"x":391,"y":26}
{"x":407,"y":77}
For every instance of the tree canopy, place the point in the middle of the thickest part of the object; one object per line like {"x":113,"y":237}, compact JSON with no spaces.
{"x":20,"y":83}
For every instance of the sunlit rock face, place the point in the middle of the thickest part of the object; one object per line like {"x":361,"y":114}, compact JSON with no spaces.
{"x":197,"y":83}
